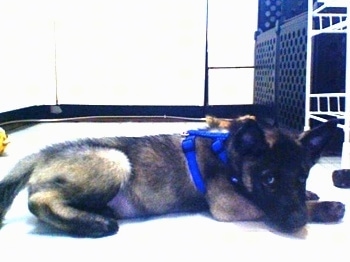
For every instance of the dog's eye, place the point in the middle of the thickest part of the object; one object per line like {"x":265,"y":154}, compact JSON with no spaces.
{"x":268,"y":179}
{"x":302,"y":179}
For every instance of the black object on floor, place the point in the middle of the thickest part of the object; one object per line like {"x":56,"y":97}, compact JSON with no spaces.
{"x":341,"y":178}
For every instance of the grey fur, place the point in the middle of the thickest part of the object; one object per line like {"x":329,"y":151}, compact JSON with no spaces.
{"x":83,"y":187}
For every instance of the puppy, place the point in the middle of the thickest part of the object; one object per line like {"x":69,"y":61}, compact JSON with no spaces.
{"x":84,"y":187}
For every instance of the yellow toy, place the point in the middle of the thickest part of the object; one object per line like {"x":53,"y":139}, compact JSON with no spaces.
{"x":4,"y":141}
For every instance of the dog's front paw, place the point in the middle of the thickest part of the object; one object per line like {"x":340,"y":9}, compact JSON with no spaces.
{"x":311,"y":196}
{"x":327,"y":211}
{"x":341,"y":178}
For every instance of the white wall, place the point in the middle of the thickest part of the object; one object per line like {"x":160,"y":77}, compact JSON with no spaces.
{"x":231,"y":27}
{"x":123,"y":52}
{"x":26,"y":55}
{"x":133,"y":52}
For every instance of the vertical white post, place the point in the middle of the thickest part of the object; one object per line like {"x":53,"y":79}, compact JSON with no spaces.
{"x":345,"y":162}
{"x":308,"y":64}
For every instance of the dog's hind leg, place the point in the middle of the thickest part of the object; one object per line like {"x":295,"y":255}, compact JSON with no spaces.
{"x":52,"y":208}
{"x":73,"y":193}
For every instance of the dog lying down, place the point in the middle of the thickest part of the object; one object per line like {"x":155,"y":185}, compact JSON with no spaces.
{"x":246,"y":173}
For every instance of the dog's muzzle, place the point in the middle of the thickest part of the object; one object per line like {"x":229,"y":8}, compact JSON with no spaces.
{"x":290,"y":222}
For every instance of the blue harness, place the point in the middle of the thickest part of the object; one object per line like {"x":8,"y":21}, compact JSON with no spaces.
{"x":189,"y":148}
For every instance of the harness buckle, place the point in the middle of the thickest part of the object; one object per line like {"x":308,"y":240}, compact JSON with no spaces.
{"x":185,"y":134}
{"x":188,"y":145}
{"x":219,"y":149}
{"x":218,"y":146}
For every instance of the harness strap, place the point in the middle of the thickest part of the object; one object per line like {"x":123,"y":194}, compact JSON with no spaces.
{"x":219,"y":149}
{"x":189,"y":149}
{"x":218,"y":145}
{"x":208,"y":134}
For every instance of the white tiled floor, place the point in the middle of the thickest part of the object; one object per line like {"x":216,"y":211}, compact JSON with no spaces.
{"x":174,"y":237}
{"x":330,"y":162}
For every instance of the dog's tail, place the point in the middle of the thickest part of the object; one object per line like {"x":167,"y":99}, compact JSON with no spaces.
{"x":14,"y":182}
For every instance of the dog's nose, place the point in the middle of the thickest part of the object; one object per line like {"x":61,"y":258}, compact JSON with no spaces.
{"x":295,"y":221}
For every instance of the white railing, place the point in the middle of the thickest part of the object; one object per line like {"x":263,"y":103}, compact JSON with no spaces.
{"x":328,"y":103}
{"x":322,"y":106}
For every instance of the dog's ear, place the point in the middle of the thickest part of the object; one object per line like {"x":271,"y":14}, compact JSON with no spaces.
{"x":249,"y":139}
{"x":315,"y":140}
{"x":214,"y":122}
